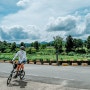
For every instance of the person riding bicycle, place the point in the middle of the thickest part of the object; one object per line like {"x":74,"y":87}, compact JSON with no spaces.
{"x":21,"y":54}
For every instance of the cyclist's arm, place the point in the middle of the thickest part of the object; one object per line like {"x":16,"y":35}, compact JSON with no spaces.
{"x":15,"y":56}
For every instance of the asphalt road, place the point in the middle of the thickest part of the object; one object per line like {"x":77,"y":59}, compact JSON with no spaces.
{"x":76,"y":77}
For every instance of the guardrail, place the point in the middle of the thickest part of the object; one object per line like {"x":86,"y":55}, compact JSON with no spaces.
{"x":54,"y":63}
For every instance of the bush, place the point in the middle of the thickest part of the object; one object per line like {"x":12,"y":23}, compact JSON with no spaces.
{"x":7,"y":51}
{"x":88,"y":55}
{"x":81,"y":51}
{"x":63,"y":53}
{"x":88,"y":50}
{"x":71,"y":53}
{"x":61,"y":59}
{"x":29,"y":51}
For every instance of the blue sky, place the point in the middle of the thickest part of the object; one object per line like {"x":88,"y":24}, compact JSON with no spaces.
{"x":31,"y":20}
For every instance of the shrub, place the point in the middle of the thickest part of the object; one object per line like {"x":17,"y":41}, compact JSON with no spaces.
{"x":7,"y":51}
{"x":71,"y":53}
{"x":61,"y":59}
{"x":63,"y":53}
{"x":29,"y":51}
{"x":88,"y":50}
{"x":88,"y":55}
{"x":82,"y":51}
{"x":88,"y":59}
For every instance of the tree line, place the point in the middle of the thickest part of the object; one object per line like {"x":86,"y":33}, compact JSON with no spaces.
{"x":69,"y":45}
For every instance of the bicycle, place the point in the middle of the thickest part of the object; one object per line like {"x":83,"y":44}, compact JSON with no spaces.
{"x":21,"y":73}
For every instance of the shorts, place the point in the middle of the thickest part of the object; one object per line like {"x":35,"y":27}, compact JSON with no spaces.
{"x":21,"y":62}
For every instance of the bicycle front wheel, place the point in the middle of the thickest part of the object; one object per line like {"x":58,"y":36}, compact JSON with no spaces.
{"x":9,"y":79}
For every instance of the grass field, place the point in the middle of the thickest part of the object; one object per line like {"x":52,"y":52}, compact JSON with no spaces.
{"x":48,"y":54}
{"x":37,"y":56}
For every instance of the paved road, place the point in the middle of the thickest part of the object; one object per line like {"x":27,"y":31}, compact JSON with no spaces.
{"x":68,"y":76}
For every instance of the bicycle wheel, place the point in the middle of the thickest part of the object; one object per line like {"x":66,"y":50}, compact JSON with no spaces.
{"x":22,"y":74}
{"x":9,"y":79}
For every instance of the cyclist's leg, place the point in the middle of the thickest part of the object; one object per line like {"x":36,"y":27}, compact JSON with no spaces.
{"x":17,"y":70}
{"x":22,"y":66}
{"x":18,"y":67}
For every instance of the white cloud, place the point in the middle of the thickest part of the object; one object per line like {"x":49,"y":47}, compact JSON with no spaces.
{"x":38,"y":12}
{"x":87,"y":21}
{"x":19,"y":33}
{"x":56,"y":16}
{"x":63,"y":23}
{"x":23,"y":3}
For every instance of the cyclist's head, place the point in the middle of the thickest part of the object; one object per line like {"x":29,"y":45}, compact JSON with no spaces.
{"x":22,"y":48}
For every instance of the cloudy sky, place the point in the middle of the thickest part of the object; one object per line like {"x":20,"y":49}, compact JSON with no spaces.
{"x":31,"y":20}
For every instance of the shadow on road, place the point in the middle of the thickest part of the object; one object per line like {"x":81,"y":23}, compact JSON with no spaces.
{"x":20,"y":83}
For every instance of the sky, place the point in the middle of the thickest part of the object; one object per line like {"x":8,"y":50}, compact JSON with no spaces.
{"x":41,"y":20}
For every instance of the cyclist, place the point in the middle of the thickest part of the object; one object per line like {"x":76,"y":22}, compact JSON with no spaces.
{"x":21,"y":54}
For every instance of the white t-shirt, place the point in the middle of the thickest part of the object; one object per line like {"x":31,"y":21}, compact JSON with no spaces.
{"x":21,"y":55}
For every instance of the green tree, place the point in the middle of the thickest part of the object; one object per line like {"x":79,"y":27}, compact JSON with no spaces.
{"x":50,"y":43}
{"x":32,"y":44}
{"x":77,"y":43}
{"x":80,"y":43}
{"x":22,"y":44}
{"x":29,"y":51}
{"x":5,"y":43}
{"x":2,"y":48}
{"x":69,"y":43}
{"x":36,"y":45}
{"x":43,"y":46}
{"x":58,"y":43}
{"x":13,"y":46}
{"x":85,"y":43}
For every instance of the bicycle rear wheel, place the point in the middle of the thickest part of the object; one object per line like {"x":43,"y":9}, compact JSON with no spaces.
{"x":9,"y":79}
{"x":22,"y":74}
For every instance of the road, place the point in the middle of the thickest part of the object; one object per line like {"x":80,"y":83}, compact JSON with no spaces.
{"x":68,"y":76}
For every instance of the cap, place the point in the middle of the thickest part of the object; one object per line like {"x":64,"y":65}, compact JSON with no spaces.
{"x":22,"y":48}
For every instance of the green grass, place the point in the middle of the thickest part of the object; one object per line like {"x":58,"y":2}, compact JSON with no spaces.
{"x":9,"y":56}
{"x":47,"y":53}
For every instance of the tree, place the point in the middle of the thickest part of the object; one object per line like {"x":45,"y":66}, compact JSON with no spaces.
{"x":22,"y":44}
{"x":77,"y":43}
{"x":80,"y":43}
{"x":36,"y":45}
{"x":13,"y":46}
{"x":43,"y":46}
{"x":88,"y":42}
{"x":2,"y":47}
{"x":85,"y":43}
{"x":69,"y":43}
{"x":32,"y":44}
{"x":50,"y":43}
{"x":29,"y":51}
{"x":58,"y":43}
{"x":5,"y":43}
{"x":57,"y":46}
